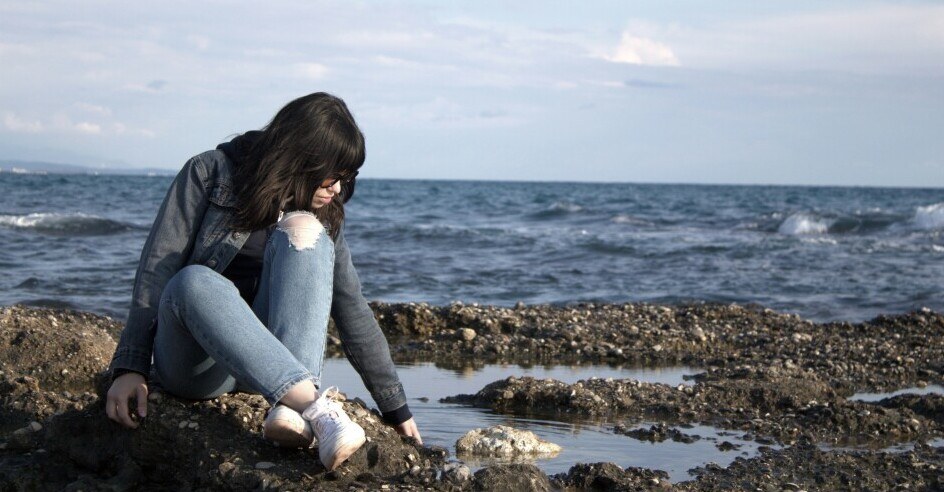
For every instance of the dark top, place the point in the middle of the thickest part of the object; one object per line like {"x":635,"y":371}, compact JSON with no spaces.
{"x":246,"y":268}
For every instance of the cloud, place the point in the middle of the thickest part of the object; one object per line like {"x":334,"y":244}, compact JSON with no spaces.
{"x":122,"y":129}
{"x":156,"y":85}
{"x":637,"y":50}
{"x":199,"y":42}
{"x":14,"y":124}
{"x":440,"y":112}
{"x":93,"y":108}
{"x":313,"y":71}
{"x":88,"y":128}
{"x":887,"y":39}
{"x":647,"y":84}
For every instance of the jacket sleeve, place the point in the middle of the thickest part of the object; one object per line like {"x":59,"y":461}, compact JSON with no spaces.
{"x":165,"y":252}
{"x":363,"y":341}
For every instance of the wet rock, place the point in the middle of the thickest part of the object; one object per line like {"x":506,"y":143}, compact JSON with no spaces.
{"x":502,"y":440}
{"x":511,"y":477}
{"x":727,"y":446}
{"x":657,"y":433}
{"x":467,"y":334}
{"x":610,"y":477}
{"x":807,"y":467}
{"x":456,"y":473}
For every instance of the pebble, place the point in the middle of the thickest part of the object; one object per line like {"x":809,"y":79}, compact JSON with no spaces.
{"x":35,"y":426}
{"x":264,"y":465}
{"x":467,"y":334}
{"x":182,"y":424}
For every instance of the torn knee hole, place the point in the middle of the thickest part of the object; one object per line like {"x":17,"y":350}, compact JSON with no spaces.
{"x":302,"y":230}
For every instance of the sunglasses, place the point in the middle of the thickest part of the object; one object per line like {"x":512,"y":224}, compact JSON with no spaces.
{"x":330,"y":182}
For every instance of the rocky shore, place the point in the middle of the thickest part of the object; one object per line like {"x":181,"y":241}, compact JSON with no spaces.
{"x":775,"y":378}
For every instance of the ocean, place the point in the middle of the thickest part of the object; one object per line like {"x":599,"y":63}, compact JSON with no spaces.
{"x":825,"y":253}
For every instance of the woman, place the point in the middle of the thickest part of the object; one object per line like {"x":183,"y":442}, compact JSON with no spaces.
{"x":244,"y":264}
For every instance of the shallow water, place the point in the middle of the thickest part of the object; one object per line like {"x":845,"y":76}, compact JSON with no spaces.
{"x":873,"y":397}
{"x":583,"y":440}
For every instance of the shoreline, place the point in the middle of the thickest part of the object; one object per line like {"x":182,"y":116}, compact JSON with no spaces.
{"x":781,"y":380}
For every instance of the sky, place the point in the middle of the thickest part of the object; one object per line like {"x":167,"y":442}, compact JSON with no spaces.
{"x":742,"y":92}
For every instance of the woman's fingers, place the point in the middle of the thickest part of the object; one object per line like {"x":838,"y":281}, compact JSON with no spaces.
{"x":123,"y":388}
{"x":141,"y":394}
{"x":409,"y":428}
{"x":123,"y":416}
{"x":111,"y":405}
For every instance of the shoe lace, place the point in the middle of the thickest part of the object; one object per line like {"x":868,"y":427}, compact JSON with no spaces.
{"x":325,"y":411}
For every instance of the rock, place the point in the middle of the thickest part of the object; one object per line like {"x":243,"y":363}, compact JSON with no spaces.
{"x":511,"y":477}
{"x":35,"y":426}
{"x":456,"y":473}
{"x":609,"y":476}
{"x":21,"y":439}
{"x":467,"y":334}
{"x":264,"y":465}
{"x":501,"y":440}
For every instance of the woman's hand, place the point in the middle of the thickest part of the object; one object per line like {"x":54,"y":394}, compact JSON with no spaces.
{"x":123,"y":388}
{"x":408,"y":428}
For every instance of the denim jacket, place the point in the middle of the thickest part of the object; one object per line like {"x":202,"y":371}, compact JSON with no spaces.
{"x":193,"y":227}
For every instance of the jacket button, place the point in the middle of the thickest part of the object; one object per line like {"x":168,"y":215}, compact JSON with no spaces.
{"x":211,"y":263}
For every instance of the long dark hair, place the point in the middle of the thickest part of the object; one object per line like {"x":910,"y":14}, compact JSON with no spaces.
{"x":311,"y":139}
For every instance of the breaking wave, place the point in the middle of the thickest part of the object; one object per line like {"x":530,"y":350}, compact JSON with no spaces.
{"x":66,"y":224}
{"x":801,"y":224}
{"x":930,"y":217}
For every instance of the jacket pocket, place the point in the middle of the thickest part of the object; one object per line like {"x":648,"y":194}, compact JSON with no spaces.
{"x":216,"y":223}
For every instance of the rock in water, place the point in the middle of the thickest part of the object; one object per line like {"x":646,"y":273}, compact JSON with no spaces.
{"x":501,"y":440}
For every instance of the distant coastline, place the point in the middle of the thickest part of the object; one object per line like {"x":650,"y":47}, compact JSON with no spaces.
{"x":41,"y":167}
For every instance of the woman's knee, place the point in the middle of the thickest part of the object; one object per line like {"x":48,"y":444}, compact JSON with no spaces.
{"x":191,"y":280}
{"x":302,"y":228}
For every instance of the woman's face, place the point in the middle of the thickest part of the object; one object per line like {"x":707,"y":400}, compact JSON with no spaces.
{"x":325,"y":193}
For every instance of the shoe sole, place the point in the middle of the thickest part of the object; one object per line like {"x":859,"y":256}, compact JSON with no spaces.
{"x":287,"y":437}
{"x":345,"y":452}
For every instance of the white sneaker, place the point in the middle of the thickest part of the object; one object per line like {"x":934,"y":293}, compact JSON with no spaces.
{"x":286,"y":428}
{"x":338,"y":436}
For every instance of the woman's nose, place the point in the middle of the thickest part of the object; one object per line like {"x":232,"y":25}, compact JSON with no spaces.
{"x":335,"y":188}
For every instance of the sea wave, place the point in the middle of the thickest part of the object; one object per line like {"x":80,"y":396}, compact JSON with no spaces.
{"x":66,"y":224}
{"x":628,"y":219}
{"x":557,"y":210}
{"x":801,"y":223}
{"x":930,"y":217}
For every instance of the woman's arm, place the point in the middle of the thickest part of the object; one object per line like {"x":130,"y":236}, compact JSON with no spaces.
{"x":166,"y":251}
{"x":363,"y":341}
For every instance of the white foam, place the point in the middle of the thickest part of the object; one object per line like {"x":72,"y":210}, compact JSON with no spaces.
{"x":40,"y":219}
{"x":565,"y":207}
{"x":799,"y":224}
{"x":930,"y":217}
{"x":63,"y":223}
{"x":627,"y":219}
{"x":820,"y":240}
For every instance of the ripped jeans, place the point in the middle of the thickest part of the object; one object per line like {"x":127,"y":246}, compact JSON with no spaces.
{"x":209,"y":341}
